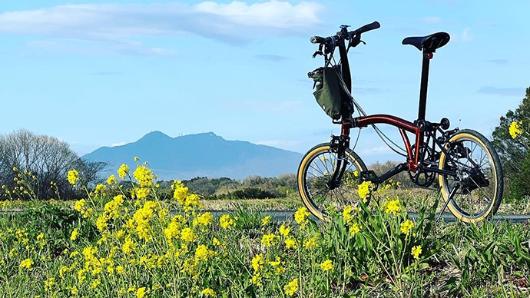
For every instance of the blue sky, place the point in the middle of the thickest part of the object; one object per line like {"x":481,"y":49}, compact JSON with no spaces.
{"x":96,"y":73}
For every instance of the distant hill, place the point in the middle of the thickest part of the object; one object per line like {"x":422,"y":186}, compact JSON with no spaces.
{"x":204,"y":154}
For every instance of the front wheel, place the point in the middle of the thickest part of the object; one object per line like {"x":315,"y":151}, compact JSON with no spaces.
{"x":477,"y":180}
{"x":318,"y":192}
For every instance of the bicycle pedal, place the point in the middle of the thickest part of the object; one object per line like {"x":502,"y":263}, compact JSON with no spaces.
{"x":368,"y":176}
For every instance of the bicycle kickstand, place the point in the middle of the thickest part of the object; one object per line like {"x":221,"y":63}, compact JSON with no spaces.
{"x":451,"y":194}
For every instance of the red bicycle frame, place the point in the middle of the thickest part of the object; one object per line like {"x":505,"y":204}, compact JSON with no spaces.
{"x":403,"y":126}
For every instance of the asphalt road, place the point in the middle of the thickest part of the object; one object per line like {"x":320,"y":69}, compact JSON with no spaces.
{"x":281,"y":215}
{"x":447,"y":217}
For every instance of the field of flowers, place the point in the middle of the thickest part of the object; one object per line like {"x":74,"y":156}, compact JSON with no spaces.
{"x":126,"y":242}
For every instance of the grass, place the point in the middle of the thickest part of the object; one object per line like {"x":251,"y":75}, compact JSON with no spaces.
{"x":456,"y":259}
{"x":132,"y":244}
{"x":415,"y":199}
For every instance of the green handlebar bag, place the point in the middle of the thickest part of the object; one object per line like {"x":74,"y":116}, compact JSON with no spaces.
{"x":331,"y":93}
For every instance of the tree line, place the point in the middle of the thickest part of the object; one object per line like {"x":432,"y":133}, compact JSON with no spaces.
{"x":35,"y":166}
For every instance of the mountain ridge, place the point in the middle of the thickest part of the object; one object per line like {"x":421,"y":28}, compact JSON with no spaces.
{"x":202,"y":154}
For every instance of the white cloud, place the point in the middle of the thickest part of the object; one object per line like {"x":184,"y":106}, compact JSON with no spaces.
{"x":235,"y":22}
{"x":274,"y":14}
{"x":92,"y":46}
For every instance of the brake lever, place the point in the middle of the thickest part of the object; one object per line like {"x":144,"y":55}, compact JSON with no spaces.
{"x":319,"y":51}
{"x":316,"y":53}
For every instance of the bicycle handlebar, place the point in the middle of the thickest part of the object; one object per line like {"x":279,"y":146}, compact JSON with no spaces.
{"x":349,"y":35}
{"x":318,"y":39}
{"x":366,"y":28}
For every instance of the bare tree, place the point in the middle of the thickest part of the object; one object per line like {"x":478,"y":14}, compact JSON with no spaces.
{"x":43,"y":160}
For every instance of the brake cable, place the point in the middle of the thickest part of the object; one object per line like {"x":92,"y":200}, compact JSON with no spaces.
{"x":381,"y":134}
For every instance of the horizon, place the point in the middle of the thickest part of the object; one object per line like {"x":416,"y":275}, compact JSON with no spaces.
{"x":103,"y":73}
{"x":186,"y":135}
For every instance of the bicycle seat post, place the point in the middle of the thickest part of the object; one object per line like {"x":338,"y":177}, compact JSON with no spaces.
{"x":427,"y":55}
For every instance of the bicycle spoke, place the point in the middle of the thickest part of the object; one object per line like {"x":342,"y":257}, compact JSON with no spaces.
{"x":318,"y":175}
{"x":477,"y":198}
{"x":318,"y":170}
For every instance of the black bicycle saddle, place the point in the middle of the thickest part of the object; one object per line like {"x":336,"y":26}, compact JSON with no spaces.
{"x":428,"y":43}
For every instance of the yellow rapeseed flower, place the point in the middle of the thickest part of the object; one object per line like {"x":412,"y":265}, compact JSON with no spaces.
{"x":416,"y":251}
{"x":515,"y":129}
{"x":354,"y":229}
{"x":276,"y":262}
{"x":290,"y":243}
{"x":266,"y":220}
{"x":74,"y":234}
{"x":277,"y":265}
{"x":216,"y":242}
{"x":74,"y":291}
{"x":63,"y":270}
{"x":140,"y":293}
{"x":48,"y":284}
{"x":95,"y":283}
{"x":187,"y":235}
{"x":191,"y":201}
{"x":142,"y":218}
{"x":142,"y":192}
{"x":144,"y":176}
{"x":100,"y":188}
{"x":201,"y":253}
{"x":128,"y":246}
{"x":327,"y":265}
{"x":101,"y":222}
{"x":311,"y":243}
{"x":347,"y":214}
{"x":112,"y":207}
{"x":392,"y":207}
{"x":120,"y":234}
{"x":172,"y":230}
{"x":180,"y":192}
{"x":226,"y":221}
{"x":26,"y":264}
{"x":268,"y":239}
{"x":111,"y":180}
{"x":406,"y":226}
{"x":365,"y":190}
{"x":72,"y":177}
{"x":291,"y":288}
{"x":208,"y":292}
{"x":204,"y":219}
{"x":301,"y":215}
{"x":257,"y":262}
{"x":79,"y":206}
{"x":81,"y":275}
{"x":123,"y":170}
{"x":256,"y":280}
{"x":284,"y":230}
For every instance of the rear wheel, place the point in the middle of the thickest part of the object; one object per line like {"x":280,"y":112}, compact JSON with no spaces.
{"x":478,"y":184}
{"x":315,"y":174}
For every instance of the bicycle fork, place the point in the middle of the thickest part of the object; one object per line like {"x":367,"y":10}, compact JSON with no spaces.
{"x":339,"y":144}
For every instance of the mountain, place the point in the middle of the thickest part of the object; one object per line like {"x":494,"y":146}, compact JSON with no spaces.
{"x":204,"y":154}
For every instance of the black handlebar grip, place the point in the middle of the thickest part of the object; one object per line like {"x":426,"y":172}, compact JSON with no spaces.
{"x":368,"y":27}
{"x":317,"y":39}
